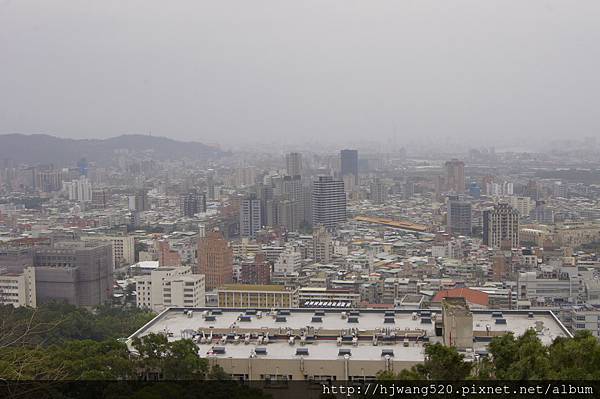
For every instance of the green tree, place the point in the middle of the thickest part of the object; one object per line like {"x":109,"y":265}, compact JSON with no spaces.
{"x":441,"y":363}
{"x":524,"y":358}
{"x":575,"y":359}
{"x":183,"y":361}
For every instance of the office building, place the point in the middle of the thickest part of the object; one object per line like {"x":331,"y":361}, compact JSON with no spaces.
{"x":170,"y":286}
{"x":328,"y":202}
{"x":459,"y":218}
{"x":215,"y":260}
{"x":77,"y":272}
{"x":501,"y":227}
{"x":455,"y":176}
{"x":250,"y":216}
{"x":293,"y":164}
{"x":349,"y":164}
{"x":257,"y":296}
{"x":548,"y":287}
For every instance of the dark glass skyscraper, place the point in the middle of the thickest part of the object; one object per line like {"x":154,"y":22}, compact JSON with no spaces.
{"x":349,"y":163}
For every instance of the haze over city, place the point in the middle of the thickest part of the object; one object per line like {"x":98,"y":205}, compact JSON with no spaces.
{"x":237,"y":72}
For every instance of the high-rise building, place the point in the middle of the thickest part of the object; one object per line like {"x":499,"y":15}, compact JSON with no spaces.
{"x":293,"y":164}
{"x":100,"y":197}
{"x":328,"y":202}
{"x":139,"y":201}
{"x":47,"y":179}
{"x":522,"y":204}
{"x":378,"y":191}
{"x":349,"y":163}
{"x":192,"y":203}
{"x":455,"y":176}
{"x":250,"y":216}
{"x":210,"y":184}
{"x":215,"y":260}
{"x":501,"y":227}
{"x":459,"y":220}
{"x":79,"y":190}
{"x":322,"y":247}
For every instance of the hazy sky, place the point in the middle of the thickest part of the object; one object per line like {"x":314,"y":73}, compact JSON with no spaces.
{"x":289,"y":71}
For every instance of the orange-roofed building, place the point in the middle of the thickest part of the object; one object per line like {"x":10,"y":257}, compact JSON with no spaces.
{"x":475,"y":299}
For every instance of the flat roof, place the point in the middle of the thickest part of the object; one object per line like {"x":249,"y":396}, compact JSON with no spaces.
{"x":328,"y":324}
{"x":253,"y":287}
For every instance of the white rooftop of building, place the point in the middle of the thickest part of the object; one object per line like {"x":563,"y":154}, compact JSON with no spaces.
{"x":322,"y":336}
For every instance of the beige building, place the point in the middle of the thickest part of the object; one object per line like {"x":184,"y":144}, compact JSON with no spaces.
{"x":18,"y":289}
{"x":257,"y":296}
{"x":170,"y":286}
{"x":457,"y":322}
{"x":123,"y":248}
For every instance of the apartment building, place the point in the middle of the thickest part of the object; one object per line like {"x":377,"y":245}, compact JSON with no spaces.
{"x":18,"y":289}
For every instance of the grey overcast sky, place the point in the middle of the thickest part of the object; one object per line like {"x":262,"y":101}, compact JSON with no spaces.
{"x":221,"y":71}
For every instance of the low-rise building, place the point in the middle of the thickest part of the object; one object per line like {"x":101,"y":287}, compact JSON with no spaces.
{"x":257,"y":296}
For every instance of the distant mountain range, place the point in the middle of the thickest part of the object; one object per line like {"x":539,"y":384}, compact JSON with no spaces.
{"x":45,"y":149}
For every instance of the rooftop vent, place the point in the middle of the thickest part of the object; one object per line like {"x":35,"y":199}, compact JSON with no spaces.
{"x":260,"y":351}
{"x":317,"y":319}
{"x":530,"y":315}
{"x":500,"y":321}
{"x":220,"y":350}
{"x":280,"y":319}
{"x":344,"y":352}
{"x":301,"y":351}
{"x":425,"y":320}
{"x":352,"y":319}
{"x":389,"y":320}
{"x":387,"y":352}
{"x":245,"y":318}
{"x":210,"y":318}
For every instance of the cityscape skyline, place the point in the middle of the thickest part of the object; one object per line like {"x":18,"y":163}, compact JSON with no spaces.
{"x":390,"y":71}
